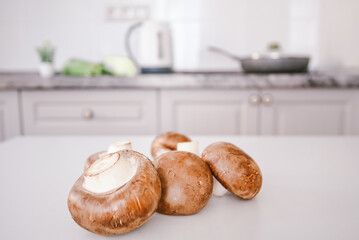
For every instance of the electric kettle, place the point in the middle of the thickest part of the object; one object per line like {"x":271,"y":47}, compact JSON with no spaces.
{"x":154,"y":47}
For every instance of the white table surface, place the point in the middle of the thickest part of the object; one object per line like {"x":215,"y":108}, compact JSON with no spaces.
{"x":310,"y":191}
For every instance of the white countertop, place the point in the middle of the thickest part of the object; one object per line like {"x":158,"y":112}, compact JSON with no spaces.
{"x":310,"y":191}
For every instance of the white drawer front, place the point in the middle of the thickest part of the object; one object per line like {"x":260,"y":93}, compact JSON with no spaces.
{"x":214,"y":112}
{"x":89,"y":112}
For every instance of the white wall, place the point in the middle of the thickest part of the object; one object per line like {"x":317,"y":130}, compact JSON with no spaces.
{"x":339,"y":34}
{"x":326,"y":29}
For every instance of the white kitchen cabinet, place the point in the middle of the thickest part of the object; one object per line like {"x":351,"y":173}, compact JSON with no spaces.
{"x":9,"y":115}
{"x":208,"y":111}
{"x":309,"y":112}
{"x":90,"y":112}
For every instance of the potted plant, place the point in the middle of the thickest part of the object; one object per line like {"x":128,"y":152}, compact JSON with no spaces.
{"x":46,"y":53}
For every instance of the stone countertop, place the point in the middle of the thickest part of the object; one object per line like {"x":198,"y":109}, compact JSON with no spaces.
{"x":18,"y":81}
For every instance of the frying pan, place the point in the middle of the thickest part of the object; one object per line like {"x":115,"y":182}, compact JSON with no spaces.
{"x":268,"y":64}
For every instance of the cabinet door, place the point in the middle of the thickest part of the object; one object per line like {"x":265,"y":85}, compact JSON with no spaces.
{"x":310,"y":112}
{"x":90,"y":112}
{"x":208,"y":112}
{"x":9,"y":115}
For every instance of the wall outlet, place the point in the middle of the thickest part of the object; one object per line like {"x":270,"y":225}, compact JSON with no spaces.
{"x":127,"y":12}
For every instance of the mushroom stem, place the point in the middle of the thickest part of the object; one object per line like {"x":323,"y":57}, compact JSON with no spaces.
{"x":191,"y":147}
{"x":117,"y":146}
{"x":218,"y":189}
{"x":107,"y":173}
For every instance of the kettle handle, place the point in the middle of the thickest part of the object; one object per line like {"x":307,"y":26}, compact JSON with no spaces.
{"x":128,"y":43}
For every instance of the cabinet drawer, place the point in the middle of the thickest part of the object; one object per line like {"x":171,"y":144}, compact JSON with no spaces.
{"x":208,"y":112}
{"x":311,"y":112}
{"x":89,"y":112}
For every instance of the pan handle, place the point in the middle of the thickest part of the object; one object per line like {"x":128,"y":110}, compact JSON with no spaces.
{"x":222,"y":52}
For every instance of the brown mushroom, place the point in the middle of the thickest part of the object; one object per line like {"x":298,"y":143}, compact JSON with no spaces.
{"x":118,"y":193}
{"x":234,"y":169}
{"x":166,"y":142}
{"x":187,"y":183}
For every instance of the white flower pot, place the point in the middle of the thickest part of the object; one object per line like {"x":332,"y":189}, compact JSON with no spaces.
{"x":46,"y":70}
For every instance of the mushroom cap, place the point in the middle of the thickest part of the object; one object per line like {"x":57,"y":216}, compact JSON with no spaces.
{"x":234,"y":169}
{"x":166,"y":142}
{"x":187,"y":183}
{"x":121,"y":210}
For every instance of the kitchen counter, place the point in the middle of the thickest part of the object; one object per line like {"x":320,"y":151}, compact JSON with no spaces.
{"x":310,"y":191}
{"x":177,"y":80}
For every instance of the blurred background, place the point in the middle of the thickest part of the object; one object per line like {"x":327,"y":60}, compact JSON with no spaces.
{"x":65,"y":67}
{"x":91,"y":29}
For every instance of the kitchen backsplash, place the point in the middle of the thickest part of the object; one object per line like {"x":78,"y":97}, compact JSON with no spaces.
{"x":325,"y":29}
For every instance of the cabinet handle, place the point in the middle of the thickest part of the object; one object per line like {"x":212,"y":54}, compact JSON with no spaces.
{"x":254,"y":99}
{"x":87,"y":114}
{"x":267,"y":99}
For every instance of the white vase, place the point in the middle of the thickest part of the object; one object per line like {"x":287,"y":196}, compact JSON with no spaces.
{"x":46,"y":70}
